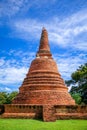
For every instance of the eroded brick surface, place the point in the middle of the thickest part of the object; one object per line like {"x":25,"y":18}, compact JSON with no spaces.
{"x":43,"y":84}
{"x":43,"y":93}
{"x":45,"y":112}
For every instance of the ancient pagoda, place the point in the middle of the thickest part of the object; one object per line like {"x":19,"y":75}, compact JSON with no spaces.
{"x":43,"y":84}
{"x":43,"y":94}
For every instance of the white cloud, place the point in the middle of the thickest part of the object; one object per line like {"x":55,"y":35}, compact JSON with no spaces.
{"x":70,"y":32}
{"x":67,"y":64}
{"x":7,"y":89}
{"x":13,"y":7}
{"x":81,"y":46}
{"x":12,"y":75}
{"x":65,"y":33}
{"x":2,"y":61}
{"x":10,"y":7}
{"x":13,"y":71}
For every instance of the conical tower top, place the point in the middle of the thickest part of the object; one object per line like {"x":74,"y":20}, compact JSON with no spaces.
{"x":43,"y":84}
{"x":44,"y":48}
{"x":44,"y":43}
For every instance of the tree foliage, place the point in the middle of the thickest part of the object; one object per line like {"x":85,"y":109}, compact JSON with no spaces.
{"x":77,"y":98}
{"x":79,"y":83}
{"x":3,"y":97}
{"x":6,"y":98}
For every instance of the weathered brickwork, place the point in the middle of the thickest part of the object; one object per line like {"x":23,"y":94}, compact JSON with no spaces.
{"x":49,"y":113}
{"x":43,"y":84}
{"x":70,"y":112}
{"x":44,"y":112}
{"x":43,"y":93}
{"x":21,"y":111}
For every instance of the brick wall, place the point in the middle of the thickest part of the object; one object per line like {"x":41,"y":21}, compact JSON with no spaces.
{"x":71,"y":112}
{"x":21,"y":111}
{"x":46,"y":112}
{"x":49,"y":113}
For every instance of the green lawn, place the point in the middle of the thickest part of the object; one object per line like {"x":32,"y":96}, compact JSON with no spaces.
{"x":28,"y":124}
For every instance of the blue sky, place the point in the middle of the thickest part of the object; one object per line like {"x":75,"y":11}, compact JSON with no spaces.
{"x":21,"y":23}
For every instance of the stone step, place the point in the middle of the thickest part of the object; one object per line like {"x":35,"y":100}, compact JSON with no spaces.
{"x":45,"y":85}
{"x":43,"y":72}
{"x":43,"y":76}
{"x":71,"y":115}
{"x":43,"y":82}
{"x":43,"y":79}
{"x":18,"y":115}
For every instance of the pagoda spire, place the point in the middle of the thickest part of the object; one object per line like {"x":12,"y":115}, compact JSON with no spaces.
{"x":44,"y":43}
{"x":43,"y":84}
{"x":44,"y":48}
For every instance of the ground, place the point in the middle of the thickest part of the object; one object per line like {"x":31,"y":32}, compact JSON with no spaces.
{"x":28,"y":124}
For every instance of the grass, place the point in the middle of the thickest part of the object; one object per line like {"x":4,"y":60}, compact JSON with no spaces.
{"x":28,"y":124}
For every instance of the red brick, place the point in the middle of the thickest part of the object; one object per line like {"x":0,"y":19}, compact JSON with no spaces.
{"x":43,"y":83}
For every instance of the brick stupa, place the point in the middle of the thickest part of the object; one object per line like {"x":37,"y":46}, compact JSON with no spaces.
{"x":43,"y":84}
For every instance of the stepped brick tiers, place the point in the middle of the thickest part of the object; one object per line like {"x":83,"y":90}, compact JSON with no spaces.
{"x":43,"y":93}
{"x":43,"y":83}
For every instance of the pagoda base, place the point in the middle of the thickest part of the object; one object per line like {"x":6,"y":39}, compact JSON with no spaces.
{"x":45,"y":97}
{"x":44,"y":112}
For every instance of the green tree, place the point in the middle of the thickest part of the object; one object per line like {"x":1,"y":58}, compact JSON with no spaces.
{"x":3,"y":97}
{"x":11,"y":96}
{"x":6,"y":98}
{"x":79,"y":82}
{"x":77,"y":98}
